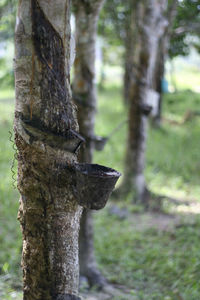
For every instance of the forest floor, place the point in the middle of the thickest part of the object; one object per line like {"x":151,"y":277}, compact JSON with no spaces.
{"x":144,"y":255}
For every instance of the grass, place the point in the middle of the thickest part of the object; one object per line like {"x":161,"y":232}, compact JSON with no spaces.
{"x":176,"y":149}
{"x":154,"y":264}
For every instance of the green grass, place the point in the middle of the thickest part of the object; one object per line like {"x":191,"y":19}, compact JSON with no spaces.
{"x":173,"y":152}
{"x":154,"y":264}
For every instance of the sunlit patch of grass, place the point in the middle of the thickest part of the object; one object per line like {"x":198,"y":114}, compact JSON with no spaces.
{"x":7,"y":94}
{"x":186,"y":77}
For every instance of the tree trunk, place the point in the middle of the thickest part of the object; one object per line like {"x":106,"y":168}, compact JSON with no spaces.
{"x":148,"y":25}
{"x":84,"y":93}
{"x":162,"y":56}
{"x":129,"y":52}
{"x":159,"y":75}
{"x":45,"y":134}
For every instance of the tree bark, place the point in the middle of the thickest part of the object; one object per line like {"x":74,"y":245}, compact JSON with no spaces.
{"x":84,"y":94}
{"x":147,"y":25}
{"x":45,"y":134}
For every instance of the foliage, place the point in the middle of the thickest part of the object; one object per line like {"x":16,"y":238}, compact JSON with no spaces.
{"x":113,"y":20}
{"x":7,"y":19}
{"x":115,"y":17}
{"x":186,"y":24}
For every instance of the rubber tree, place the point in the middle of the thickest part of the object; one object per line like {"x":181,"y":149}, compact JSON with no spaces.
{"x":46,"y":137}
{"x":162,"y":56}
{"x":129,"y":51}
{"x":147,"y":25}
{"x":84,"y":94}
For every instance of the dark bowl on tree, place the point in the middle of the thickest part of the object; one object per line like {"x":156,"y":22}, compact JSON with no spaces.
{"x":100,"y":142}
{"x":146,"y":109}
{"x":94,"y":184}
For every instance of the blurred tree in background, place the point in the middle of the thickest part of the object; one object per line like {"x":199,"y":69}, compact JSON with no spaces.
{"x":147,"y":25}
{"x":85,"y":97}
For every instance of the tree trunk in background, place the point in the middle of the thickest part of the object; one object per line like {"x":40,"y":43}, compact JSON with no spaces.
{"x":129,"y":52}
{"x":84,"y":94}
{"x":159,"y":75}
{"x":148,"y":24}
{"x":162,"y":56}
{"x":45,"y":134}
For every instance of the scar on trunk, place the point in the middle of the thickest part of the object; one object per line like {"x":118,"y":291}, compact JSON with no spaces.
{"x":50,"y":52}
{"x":47,"y":42}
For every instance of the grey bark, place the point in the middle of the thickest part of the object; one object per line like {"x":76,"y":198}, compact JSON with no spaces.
{"x":147,"y":25}
{"x":84,"y":94}
{"x":45,"y":134}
